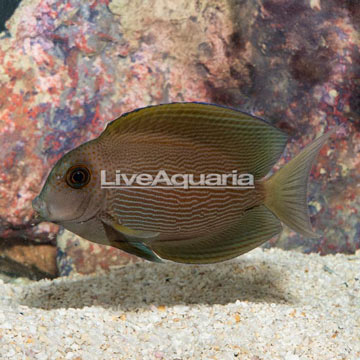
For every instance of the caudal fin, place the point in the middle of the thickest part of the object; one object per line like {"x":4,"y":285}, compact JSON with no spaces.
{"x":286,"y":190}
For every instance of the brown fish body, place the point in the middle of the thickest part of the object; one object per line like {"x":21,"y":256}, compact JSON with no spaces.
{"x":188,"y":212}
{"x":196,"y":224}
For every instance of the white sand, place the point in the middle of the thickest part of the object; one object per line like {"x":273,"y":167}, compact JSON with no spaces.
{"x":264,"y":305}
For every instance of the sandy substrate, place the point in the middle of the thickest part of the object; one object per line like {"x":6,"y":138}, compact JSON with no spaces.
{"x":264,"y":305}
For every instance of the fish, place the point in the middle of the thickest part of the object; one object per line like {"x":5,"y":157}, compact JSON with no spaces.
{"x":197,"y":224}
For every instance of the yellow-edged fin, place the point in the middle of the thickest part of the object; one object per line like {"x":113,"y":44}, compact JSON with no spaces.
{"x":256,"y":226}
{"x":254,"y":144}
{"x":134,"y":234}
{"x":120,"y":241}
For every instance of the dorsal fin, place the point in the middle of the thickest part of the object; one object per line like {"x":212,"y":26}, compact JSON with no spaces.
{"x":255,"y":144}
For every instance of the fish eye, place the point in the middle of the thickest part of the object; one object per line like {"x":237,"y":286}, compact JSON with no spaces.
{"x":78,"y":176}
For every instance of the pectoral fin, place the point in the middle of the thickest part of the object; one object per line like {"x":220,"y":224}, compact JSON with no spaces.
{"x":130,"y":234}
{"x":135,"y":234}
{"x":119,"y":240}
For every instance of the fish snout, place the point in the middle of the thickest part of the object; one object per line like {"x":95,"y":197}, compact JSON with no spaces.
{"x":40,"y":207}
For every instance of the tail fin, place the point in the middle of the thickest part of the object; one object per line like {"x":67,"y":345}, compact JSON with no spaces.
{"x":286,"y":190}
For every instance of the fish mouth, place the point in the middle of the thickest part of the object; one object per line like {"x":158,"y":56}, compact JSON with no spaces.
{"x":44,"y":213}
{"x":40,"y":208}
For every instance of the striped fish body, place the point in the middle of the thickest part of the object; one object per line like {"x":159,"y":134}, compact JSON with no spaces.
{"x":176,"y":213}
{"x":195,"y":225}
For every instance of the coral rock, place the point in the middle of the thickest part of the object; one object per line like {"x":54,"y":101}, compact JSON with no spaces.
{"x":76,"y":255}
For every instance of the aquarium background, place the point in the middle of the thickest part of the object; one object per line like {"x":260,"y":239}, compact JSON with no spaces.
{"x":69,"y":67}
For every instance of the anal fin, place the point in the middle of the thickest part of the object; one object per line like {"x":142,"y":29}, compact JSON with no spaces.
{"x":256,"y":226}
